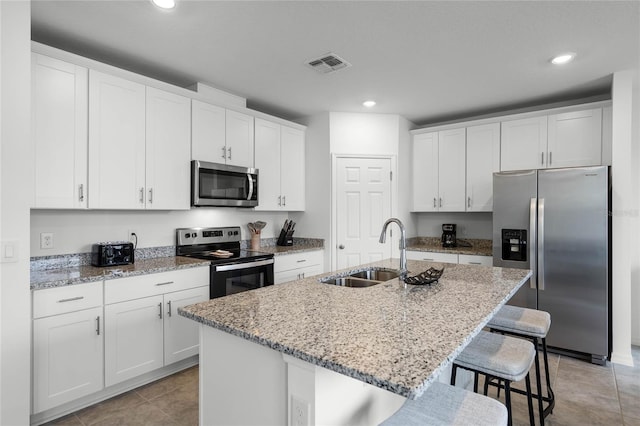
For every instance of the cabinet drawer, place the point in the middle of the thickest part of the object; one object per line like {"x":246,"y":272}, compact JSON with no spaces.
{"x":71,"y":298}
{"x":297,"y":260}
{"x":129,"y":288}
{"x":432,"y":256}
{"x":469,"y":259}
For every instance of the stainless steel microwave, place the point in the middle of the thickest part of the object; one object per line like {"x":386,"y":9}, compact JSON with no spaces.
{"x":214,"y":184}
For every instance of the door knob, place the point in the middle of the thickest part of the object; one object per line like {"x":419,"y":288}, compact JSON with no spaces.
{"x":341,"y":246}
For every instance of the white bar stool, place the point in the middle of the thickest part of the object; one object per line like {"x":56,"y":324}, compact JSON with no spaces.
{"x":534,"y":325}
{"x":499,"y":356}
{"x":443,"y":405}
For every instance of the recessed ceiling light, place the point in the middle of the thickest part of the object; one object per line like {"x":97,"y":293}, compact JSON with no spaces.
{"x":369,"y":104}
{"x":563,"y":58}
{"x":164,"y":4}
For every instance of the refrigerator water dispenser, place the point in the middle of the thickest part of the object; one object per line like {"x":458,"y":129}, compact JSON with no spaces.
{"x":514,"y":244}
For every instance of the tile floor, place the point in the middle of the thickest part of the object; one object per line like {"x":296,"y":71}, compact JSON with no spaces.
{"x":586,"y":394}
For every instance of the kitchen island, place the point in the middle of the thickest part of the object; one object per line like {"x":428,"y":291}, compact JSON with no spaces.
{"x":305,"y":352}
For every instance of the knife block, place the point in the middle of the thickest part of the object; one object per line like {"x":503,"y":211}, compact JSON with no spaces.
{"x":285,"y":238}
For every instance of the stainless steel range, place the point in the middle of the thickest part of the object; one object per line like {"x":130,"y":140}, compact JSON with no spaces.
{"x":233,"y":269}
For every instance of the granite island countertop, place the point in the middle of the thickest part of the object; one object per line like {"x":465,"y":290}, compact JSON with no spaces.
{"x":48,"y":278}
{"x":396,"y":338}
{"x":433,"y":244}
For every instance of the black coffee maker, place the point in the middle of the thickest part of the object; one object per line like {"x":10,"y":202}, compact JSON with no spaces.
{"x":449,"y":235}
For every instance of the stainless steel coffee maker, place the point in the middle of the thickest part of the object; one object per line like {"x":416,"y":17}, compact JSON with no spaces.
{"x":449,"y":235}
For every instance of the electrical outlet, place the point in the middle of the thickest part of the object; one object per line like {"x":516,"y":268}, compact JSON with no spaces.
{"x":133,"y":236}
{"x":299,"y":412}
{"x":46,"y":240}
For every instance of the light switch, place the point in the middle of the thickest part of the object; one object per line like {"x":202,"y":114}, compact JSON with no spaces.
{"x":9,"y":251}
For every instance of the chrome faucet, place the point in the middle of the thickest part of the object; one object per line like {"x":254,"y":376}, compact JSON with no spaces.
{"x":403,"y":243}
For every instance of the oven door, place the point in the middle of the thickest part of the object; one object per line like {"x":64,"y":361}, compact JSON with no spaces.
{"x":238,"y":277}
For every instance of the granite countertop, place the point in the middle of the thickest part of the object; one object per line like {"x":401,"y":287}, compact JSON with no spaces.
{"x":395,"y":338}
{"x":48,"y":278}
{"x":434,"y":244}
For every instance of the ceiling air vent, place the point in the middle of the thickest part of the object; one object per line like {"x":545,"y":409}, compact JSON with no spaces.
{"x":328,"y":63}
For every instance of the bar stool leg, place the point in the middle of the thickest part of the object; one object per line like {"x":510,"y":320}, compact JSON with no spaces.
{"x":507,"y":401}
{"x":530,"y":401}
{"x":550,"y":394}
{"x":475,"y":382}
{"x":538,"y":384}
{"x":453,"y":375}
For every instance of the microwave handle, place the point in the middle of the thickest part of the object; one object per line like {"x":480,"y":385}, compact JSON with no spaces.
{"x":250,"y":192}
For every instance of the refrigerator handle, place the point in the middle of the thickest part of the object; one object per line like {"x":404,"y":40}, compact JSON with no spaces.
{"x":541,"y":244}
{"x":533,"y":208}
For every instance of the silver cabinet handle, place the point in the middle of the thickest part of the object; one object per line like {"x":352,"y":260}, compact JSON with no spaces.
{"x":160,"y":310}
{"x":98,"y":325}
{"x":469,"y":202}
{"x":475,"y":263}
{"x":224,"y":152}
{"x":341,"y":246}
{"x":141,"y":195}
{"x":301,"y":260}
{"x":541,"y":244}
{"x":284,"y":200}
{"x":542,"y":159}
{"x":430,"y":260}
{"x":550,"y":157}
{"x":434,"y":202}
{"x":279,"y":200}
{"x":71,"y":299}
{"x":150,"y":195}
{"x":303,"y":275}
{"x":440,"y":202}
{"x":169,"y":310}
{"x":229,"y":151}
{"x":165,"y":283}
{"x":81,"y":192}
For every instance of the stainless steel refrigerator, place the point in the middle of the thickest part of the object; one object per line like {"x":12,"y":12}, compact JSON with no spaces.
{"x":556,"y":223}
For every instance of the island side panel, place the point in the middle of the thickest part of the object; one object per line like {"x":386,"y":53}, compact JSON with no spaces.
{"x":241,"y":383}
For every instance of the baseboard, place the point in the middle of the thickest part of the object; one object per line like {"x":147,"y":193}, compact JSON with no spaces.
{"x":622,"y":358}
{"x":111,"y":391}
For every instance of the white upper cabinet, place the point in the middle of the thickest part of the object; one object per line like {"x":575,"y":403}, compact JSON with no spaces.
{"x":425,"y":172}
{"x":524,"y":144}
{"x":59,"y":131}
{"x":439,"y":171}
{"x":221,"y":135}
{"x":239,"y":138}
{"x":575,"y":138}
{"x":483,"y":159}
{"x":168,"y":136}
{"x":116,"y":142}
{"x":208,"y":132}
{"x":279,"y":157}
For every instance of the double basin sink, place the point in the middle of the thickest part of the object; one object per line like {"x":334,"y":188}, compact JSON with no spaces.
{"x":362,"y":278}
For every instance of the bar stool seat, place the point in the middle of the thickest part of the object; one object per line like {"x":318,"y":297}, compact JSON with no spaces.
{"x":442,"y":404}
{"x":523,"y":321}
{"x":502,"y":357}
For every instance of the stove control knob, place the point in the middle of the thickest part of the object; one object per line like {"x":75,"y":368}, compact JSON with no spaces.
{"x":187,"y":235}
{"x":235,"y":232}
{"x":194,"y":235}
{"x":230,"y":233}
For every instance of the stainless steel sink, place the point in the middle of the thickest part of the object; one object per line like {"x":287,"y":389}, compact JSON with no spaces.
{"x":364,"y":278}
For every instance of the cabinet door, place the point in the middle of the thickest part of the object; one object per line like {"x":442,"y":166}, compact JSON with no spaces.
{"x":523,"y":144}
{"x":483,"y":159}
{"x":267,"y":161}
{"x":431,"y":256}
{"x":425,"y":172}
{"x":59,"y":132}
{"x":181,"y":335}
{"x":168,"y":135}
{"x":575,"y":138}
{"x":116,"y":142}
{"x":208,"y":133}
{"x":470,"y":259}
{"x":451,"y":170}
{"x":67,"y":357}
{"x":292,"y":174}
{"x":133,"y":338}
{"x":239,"y":139}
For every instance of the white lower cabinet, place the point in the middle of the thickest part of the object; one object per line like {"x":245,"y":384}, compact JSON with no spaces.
{"x":67,"y":344}
{"x":470,"y":259}
{"x":465,"y":259}
{"x":181,"y":335}
{"x":296,"y":266}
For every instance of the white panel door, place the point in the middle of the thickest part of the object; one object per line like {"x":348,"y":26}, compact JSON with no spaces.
{"x":239,"y":139}
{"x":483,"y":159}
{"x":181,"y":335}
{"x":292,"y":176}
{"x":208,"y":133}
{"x":133,"y":338}
{"x":116,"y":142}
{"x":523,"y":144}
{"x":451,"y":170}
{"x":425,"y":172}
{"x":67,"y":357}
{"x":575,"y":138}
{"x":59,"y":132}
{"x":168,"y":136}
{"x":363,"y":196}
{"x":267,"y":161}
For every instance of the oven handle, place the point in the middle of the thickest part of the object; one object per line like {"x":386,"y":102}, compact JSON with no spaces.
{"x":236,"y":266}
{"x":250,"y":186}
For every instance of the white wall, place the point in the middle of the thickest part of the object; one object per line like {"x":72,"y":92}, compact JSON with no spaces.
{"x":363,"y":134}
{"x":74,"y":231}
{"x":15,"y":182}
{"x":469,"y":225}
{"x":635,"y":257}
